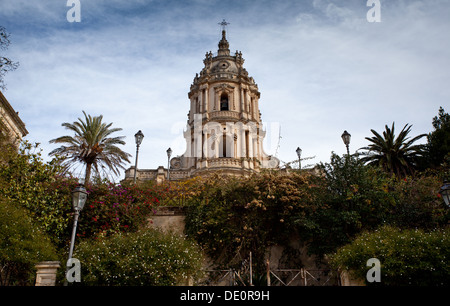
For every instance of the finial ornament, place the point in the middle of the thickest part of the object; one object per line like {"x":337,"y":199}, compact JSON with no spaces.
{"x":223,"y":44}
{"x":223,"y":24}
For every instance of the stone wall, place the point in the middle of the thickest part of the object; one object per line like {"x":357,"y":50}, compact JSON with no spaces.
{"x":10,"y":123}
{"x":169,"y":219}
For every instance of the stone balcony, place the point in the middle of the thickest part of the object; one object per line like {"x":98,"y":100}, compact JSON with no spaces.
{"x":224,"y":115}
{"x":225,"y":163}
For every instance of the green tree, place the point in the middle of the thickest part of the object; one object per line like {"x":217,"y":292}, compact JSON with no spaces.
{"x":417,"y":203}
{"x":92,"y":146}
{"x":348,"y":198}
{"x":439,"y":140}
{"x":27,"y":181}
{"x":22,"y":245}
{"x":396,"y":155}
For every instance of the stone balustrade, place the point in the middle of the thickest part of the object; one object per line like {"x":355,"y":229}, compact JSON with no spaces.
{"x":224,"y":162}
{"x":224,"y":114}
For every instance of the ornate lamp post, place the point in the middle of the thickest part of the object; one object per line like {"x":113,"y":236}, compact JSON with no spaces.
{"x":79,"y":196}
{"x":445,"y":193}
{"x":346,"y":138}
{"x":138,"y":137}
{"x":299,"y":154}
{"x":169,"y":153}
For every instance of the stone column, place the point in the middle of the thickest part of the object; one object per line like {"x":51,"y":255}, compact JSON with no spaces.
{"x":242,"y":103}
{"x":200,"y":101}
{"x":197,"y":135}
{"x":205,"y":144}
{"x":250,"y":149}
{"x":238,"y":153}
{"x":207,"y":101}
{"x":243,"y":143}
{"x":216,"y":144}
{"x":255,"y":150}
{"x":256,"y":109}
{"x":46,"y":273}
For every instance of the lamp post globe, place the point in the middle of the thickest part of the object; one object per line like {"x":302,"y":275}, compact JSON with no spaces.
{"x":139,"y":136}
{"x":445,"y":193}
{"x":169,"y":153}
{"x":346,"y":139}
{"x":299,"y":154}
{"x":79,"y":196}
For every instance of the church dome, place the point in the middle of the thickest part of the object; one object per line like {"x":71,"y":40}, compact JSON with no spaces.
{"x":224,"y":131}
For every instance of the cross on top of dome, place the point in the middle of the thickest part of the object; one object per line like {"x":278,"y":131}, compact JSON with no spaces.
{"x":223,"y":24}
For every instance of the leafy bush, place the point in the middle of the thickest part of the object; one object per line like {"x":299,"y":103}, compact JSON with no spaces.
{"x":234,"y":215}
{"x":147,"y":257}
{"x":22,"y":245}
{"x":27,"y":181}
{"x":349,"y":198}
{"x":407,"y":257}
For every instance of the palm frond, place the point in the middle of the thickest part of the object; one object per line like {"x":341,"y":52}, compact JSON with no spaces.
{"x":91,"y":145}
{"x":395,"y":154}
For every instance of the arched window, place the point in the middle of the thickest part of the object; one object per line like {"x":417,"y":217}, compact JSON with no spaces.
{"x":224,"y":102}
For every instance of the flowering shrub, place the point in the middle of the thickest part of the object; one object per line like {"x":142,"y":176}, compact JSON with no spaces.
{"x":147,"y":257}
{"x":112,"y":208}
{"x":407,"y":257}
{"x":116,"y":208}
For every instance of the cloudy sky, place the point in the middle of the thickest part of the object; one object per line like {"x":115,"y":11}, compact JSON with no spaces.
{"x":320,"y":66}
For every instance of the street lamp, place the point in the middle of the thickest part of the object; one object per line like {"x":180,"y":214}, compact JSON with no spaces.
{"x":299,"y":154}
{"x":346,"y":138}
{"x":445,"y":193}
{"x":79,"y":196}
{"x":169,"y":153}
{"x":138,"y":137}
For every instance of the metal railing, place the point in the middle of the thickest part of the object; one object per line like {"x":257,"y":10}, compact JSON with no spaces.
{"x":273,"y":277}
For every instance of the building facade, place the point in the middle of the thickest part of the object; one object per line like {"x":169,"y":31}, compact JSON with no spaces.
{"x":11,"y":126}
{"x":224,"y":130}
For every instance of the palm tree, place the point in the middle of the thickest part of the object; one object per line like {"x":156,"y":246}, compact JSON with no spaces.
{"x":92,"y":146}
{"x":395,"y":155}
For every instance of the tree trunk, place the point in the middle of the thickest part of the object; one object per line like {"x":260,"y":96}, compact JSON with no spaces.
{"x":88,"y":173}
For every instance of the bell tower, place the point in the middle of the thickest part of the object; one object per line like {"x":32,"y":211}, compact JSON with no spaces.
{"x":224,"y":130}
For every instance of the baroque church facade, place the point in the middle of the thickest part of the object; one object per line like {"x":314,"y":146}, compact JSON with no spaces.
{"x":224,"y":131}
